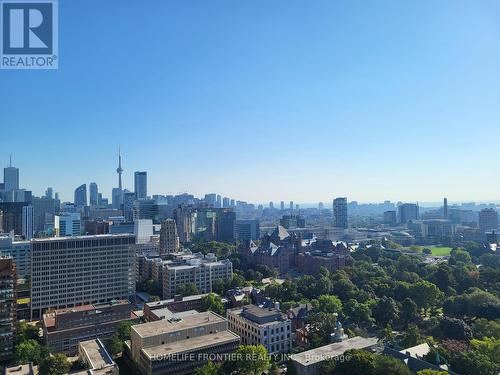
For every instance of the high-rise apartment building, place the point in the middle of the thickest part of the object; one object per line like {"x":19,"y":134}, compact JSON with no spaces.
{"x":390,"y":218}
{"x":128,"y":205}
{"x":94,"y":194}
{"x":488,"y":220}
{"x":81,"y":196}
{"x":73,"y":271}
{"x":340,"y":213}
{"x":141,"y":185}
{"x":169,"y":240}
{"x":7,"y":308}
{"x":407,"y":212}
{"x":143,"y":230}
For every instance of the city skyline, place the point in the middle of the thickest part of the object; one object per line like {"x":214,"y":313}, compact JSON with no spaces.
{"x":261,"y":102}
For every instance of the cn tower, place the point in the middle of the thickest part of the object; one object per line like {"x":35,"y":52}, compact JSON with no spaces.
{"x":119,"y":170}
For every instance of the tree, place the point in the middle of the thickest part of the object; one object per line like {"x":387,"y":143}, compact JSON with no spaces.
{"x":252,"y":359}
{"x":55,"y":364}
{"x":386,"y":334}
{"x":425,"y":294}
{"x":429,"y":371}
{"x":360,"y":362}
{"x":455,"y":329}
{"x":489,"y":347}
{"x":327,"y":367}
{"x":360,"y":313}
{"x":212,"y":302}
{"x":209,"y":368}
{"x":123,"y":329}
{"x":486,"y":328}
{"x":26,"y":331}
{"x":411,"y":337}
{"x":274,"y":370}
{"x":29,"y":351}
{"x":114,"y":345}
{"x":188,"y":289}
{"x":385,"y":311}
{"x":385,"y":365}
{"x":409,"y":312}
{"x":322,"y":325}
{"x":329,"y":304}
{"x":473,"y":363}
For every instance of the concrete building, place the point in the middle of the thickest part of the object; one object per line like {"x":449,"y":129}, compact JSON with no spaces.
{"x":201,"y":270}
{"x":180,"y":345}
{"x":68,"y":224}
{"x":265,"y":326}
{"x":408,"y":212}
{"x":488,"y":220}
{"x":141,"y":185}
{"x":81,"y":196}
{"x":390,"y":218}
{"x":63,"y":329}
{"x":309,"y":362}
{"x":74,"y":271}
{"x":19,"y":251}
{"x":98,"y":361}
{"x":340,"y":213}
{"x":154,"y":311}
{"x":143,"y":230}
{"x":246,"y":230}
{"x":8,"y":283}
{"x":169,"y":240}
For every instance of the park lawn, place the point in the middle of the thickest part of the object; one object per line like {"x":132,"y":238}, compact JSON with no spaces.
{"x":440,"y":250}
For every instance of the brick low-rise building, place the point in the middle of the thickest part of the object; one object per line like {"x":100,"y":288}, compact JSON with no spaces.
{"x":63,"y":329}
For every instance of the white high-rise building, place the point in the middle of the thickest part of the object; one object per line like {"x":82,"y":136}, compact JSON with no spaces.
{"x":143,"y":230}
{"x":75,"y":271}
{"x":68,"y":224}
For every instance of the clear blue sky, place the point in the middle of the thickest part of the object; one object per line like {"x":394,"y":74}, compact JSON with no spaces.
{"x":265,"y":100}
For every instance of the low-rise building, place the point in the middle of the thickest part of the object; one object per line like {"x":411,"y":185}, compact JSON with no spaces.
{"x":96,"y":358}
{"x":308,"y":362}
{"x":63,"y":329}
{"x":156,"y":310}
{"x":265,"y":326}
{"x":180,"y":345}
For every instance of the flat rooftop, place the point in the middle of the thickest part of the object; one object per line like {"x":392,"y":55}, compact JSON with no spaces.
{"x":322,"y":353}
{"x":192,"y":344}
{"x":96,"y":354}
{"x":94,"y":236}
{"x":165,"y":326}
{"x":172,"y":300}
{"x":259,"y":311}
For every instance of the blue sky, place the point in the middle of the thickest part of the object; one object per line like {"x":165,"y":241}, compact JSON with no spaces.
{"x":265,"y":100}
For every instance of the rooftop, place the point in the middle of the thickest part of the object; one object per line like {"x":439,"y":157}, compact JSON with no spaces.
{"x":322,"y":353}
{"x":95,"y":236}
{"x":191,"y":344}
{"x":96,"y":354}
{"x":165,"y":326}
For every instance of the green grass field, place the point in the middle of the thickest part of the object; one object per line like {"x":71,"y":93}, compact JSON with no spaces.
{"x":440,"y":250}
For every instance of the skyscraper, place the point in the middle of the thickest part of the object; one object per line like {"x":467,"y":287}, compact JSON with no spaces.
{"x":225,"y":224}
{"x":282,"y":205}
{"x":81,"y":196}
{"x":169,"y":240}
{"x":488,"y":220}
{"x":211,"y":199}
{"x":407,"y":212}
{"x":119,"y":170}
{"x":11,"y":177}
{"x":28,"y":222}
{"x":94,"y":193}
{"x":49,"y":193}
{"x":7,"y":308}
{"x":340,"y":212}
{"x":445,"y":208}
{"x":141,"y":185}
{"x":12,"y":216}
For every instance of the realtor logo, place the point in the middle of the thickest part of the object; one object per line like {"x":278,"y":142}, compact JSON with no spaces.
{"x":29,"y":34}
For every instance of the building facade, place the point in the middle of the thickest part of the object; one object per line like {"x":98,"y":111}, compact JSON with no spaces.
{"x":265,"y":326}
{"x":169,"y":240}
{"x":74,"y":271}
{"x":7,"y":308}
{"x":340,"y":212}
